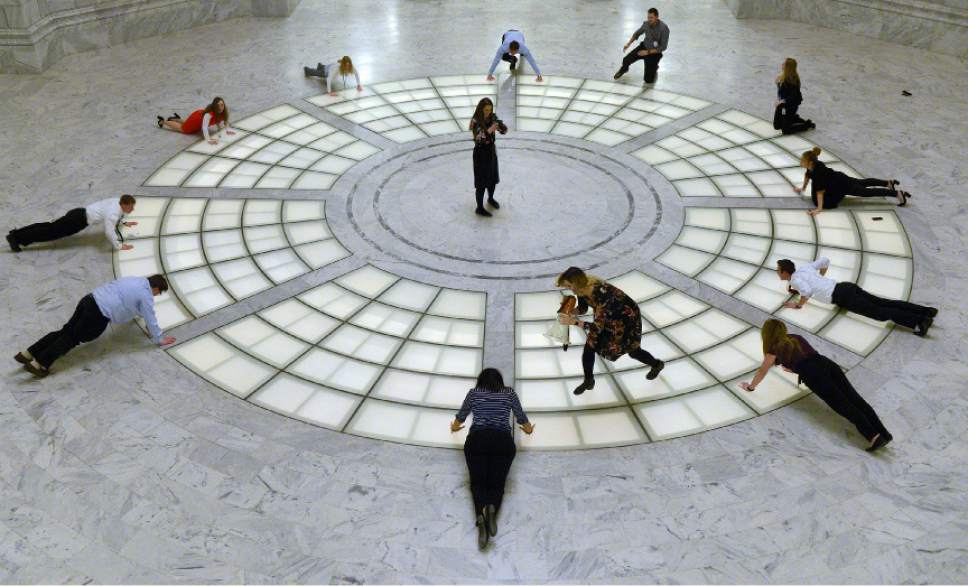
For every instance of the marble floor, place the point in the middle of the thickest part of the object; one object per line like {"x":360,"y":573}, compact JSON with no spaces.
{"x":333,"y":298}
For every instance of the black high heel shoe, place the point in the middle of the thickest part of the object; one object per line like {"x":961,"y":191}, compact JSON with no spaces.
{"x":160,"y":121}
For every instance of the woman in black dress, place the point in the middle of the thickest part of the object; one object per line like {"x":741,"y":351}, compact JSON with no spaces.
{"x":830,"y":187}
{"x":785,"y":115}
{"x":822,"y":376}
{"x":483,"y":126}
{"x":617,"y":328}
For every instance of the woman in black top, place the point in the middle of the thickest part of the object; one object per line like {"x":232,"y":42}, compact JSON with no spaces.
{"x":830,"y":187}
{"x":822,"y":376}
{"x":785,"y":115}
{"x":489,"y":448}
{"x":483,"y":126}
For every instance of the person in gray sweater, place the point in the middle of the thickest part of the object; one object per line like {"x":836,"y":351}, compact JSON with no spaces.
{"x":650,"y":49}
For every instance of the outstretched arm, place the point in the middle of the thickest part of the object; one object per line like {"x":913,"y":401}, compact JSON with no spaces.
{"x":497,"y":59}
{"x":768,"y":361}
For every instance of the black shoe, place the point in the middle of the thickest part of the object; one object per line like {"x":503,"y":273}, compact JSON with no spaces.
{"x":482,"y":212}
{"x":655,"y":370}
{"x":37,"y":372}
{"x":21,"y":358}
{"x":307,"y":71}
{"x":160,"y":121}
{"x":923,"y":327}
{"x":882,"y":440}
{"x":493,"y":203}
{"x":618,"y":74}
{"x":932,"y":312}
{"x":14,"y":245}
{"x":490,"y":518}
{"x":587,"y":384}
{"x":482,"y":535}
{"x":174,"y":116}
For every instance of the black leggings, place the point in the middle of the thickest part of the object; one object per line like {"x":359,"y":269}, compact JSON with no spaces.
{"x":829,"y":382}
{"x":85,"y":325}
{"x":67,"y":225}
{"x":869,"y":188}
{"x":651,"y":62}
{"x":489,"y":453}
{"x":788,"y":120}
{"x":479,"y":194}
{"x":588,"y":359}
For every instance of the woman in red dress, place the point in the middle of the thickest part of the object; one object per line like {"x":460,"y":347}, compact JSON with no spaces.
{"x":215,"y":114}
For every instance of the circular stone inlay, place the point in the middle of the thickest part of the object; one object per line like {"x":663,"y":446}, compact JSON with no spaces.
{"x":552,"y":206}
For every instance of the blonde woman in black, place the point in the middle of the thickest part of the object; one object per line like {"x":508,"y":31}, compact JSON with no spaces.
{"x":830,"y":186}
{"x":483,"y":127}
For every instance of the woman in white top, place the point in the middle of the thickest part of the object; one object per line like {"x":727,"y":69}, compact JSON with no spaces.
{"x":341,"y":68}
{"x":215,"y":115}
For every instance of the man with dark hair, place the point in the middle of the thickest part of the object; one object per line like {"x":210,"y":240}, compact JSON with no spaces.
{"x":512,"y":45}
{"x":811,"y":281}
{"x":109,"y":212}
{"x":116,"y":302}
{"x":651,"y":48}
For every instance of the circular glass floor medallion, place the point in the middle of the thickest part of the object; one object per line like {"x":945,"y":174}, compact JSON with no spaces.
{"x":374,"y":353}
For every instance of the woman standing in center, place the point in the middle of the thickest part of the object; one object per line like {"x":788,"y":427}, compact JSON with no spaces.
{"x":483,"y":126}
{"x":617,"y":328}
{"x":489,"y":448}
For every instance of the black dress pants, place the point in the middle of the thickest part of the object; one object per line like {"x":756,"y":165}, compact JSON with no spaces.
{"x":852,"y":298}
{"x":85,"y":325}
{"x":829,"y":382}
{"x":70,"y":223}
{"x":489,"y":453}
{"x":868,"y":188}
{"x":651,"y":62}
{"x":786,"y":119}
{"x":588,"y":359}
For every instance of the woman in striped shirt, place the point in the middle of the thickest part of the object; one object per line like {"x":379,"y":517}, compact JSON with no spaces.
{"x":489,"y":448}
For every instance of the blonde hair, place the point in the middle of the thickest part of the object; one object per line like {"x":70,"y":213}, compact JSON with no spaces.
{"x":789,"y":74}
{"x":345,"y":65}
{"x":575,"y":279}
{"x":810,"y":156}
{"x":777,"y":341}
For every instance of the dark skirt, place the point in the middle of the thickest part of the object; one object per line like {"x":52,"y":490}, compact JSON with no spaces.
{"x":485,"y":166}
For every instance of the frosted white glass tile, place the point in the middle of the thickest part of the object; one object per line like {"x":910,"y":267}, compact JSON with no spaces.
{"x":777,"y":389}
{"x":261,"y":211}
{"x":383,"y":420}
{"x":557,"y":395}
{"x":140,"y":261}
{"x":542,"y":305}
{"x":183,"y":215}
{"x":297,"y":398}
{"x":552,"y":431}
{"x":668,"y":418}
{"x":609,"y":137}
{"x":198,"y":290}
{"x":735,"y":186}
{"x":303,"y":232}
{"x":764,"y":291}
{"x":886,"y":276}
{"x":810,"y":317}
{"x":368,"y":281}
{"x":262,"y":119}
{"x":440,"y":127}
{"x":320,"y":254}
{"x":836,"y":228}
{"x":241,"y":277}
{"x":410,"y":295}
{"x":711,"y":218}
{"x":147,"y":212}
{"x":448,"y":331}
{"x":223,"y":365}
{"x":706,"y":328}
{"x":636,"y":285}
{"x":735,"y":357}
{"x":654,"y":155}
{"x":181,"y":252}
{"x":702,"y":239}
{"x":264,"y":238}
{"x":358,"y":150}
{"x":697,"y":188}
{"x":727,"y":275}
{"x":263,"y":341}
{"x":405,"y":134}
{"x":656,"y":344}
{"x":534,"y":125}
{"x":426,"y":389}
{"x":678,"y":377}
{"x":169,"y":312}
{"x":281,"y":265}
{"x":244,"y":175}
{"x":883,"y":235}
{"x":433,"y":429}
{"x":716,"y":407}
{"x":223,"y":245}
{"x":685,"y":260}
{"x":457,"y":303}
{"x":675,"y":170}
{"x":277,"y":178}
{"x":670,"y":308}
{"x":312,"y":180}
{"x":333,"y":370}
{"x":362,"y":344}
{"x":223,"y":213}
{"x":299,"y":320}
{"x":749,"y":249}
{"x":176,"y":170}
{"x":385,"y":319}
{"x":334,"y":300}
{"x":439,"y":359}
{"x":550,"y":363}
{"x":856,"y":333}
{"x":614,"y":427}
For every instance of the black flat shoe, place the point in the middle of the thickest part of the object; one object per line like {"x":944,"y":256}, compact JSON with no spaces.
{"x":482,"y":535}
{"x":655,"y":370}
{"x":14,"y":245}
{"x":618,"y":74}
{"x":483,"y":212}
{"x":490,"y":518}
{"x":21,"y":358}
{"x":587,"y":384}
{"x":160,"y":121}
{"x":923,"y":327}
{"x":882,"y":440}
{"x":493,"y":203}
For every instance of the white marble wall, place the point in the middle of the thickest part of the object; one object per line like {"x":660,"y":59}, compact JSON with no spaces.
{"x":34,"y":34}
{"x":935,"y":25}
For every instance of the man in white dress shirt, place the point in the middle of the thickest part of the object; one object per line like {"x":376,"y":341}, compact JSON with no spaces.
{"x":109,"y":212}
{"x":116,"y":302}
{"x":810,"y":281}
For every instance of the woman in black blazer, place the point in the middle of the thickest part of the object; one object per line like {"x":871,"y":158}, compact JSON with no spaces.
{"x":789,"y":98}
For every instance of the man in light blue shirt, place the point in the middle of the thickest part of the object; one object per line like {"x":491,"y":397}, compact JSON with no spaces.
{"x":116,"y":302}
{"x":512,"y":45}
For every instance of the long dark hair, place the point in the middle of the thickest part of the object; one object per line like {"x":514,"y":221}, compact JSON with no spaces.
{"x":213,"y":109}
{"x":490,"y":379}
{"x":479,"y":111}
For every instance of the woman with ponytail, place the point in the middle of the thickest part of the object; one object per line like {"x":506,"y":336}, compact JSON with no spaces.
{"x":830,"y":187}
{"x":341,"y":68}
{"x":822,"y":376}
{"x":215,"y":115}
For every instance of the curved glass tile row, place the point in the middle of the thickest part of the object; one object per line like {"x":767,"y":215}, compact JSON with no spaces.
{"x":732,"y":154}
{"x":215,"y":252}
{"x":707,"y":354}
{"x":412,"y":109}
{"x":605,"y":112}
{"x":735,"y":251}
{"x":368,"y":353}
{"x":281,"y":148}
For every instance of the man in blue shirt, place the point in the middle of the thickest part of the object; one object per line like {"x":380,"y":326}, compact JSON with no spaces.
{"x":116,"y":302}
{"x":512,"y":45}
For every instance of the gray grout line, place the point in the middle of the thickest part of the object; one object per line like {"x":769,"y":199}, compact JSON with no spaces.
{"x":336,"y":121}
{"x":669,"y":129}
{"x":507,"y":93}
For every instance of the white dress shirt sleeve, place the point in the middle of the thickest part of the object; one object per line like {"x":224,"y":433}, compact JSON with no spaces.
{"x":206,"y":120}
{"x":111,"y":219}
{"x":821,"y":263}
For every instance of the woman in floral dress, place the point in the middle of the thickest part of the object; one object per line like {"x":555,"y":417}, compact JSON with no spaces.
{"x":617,"y":328}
